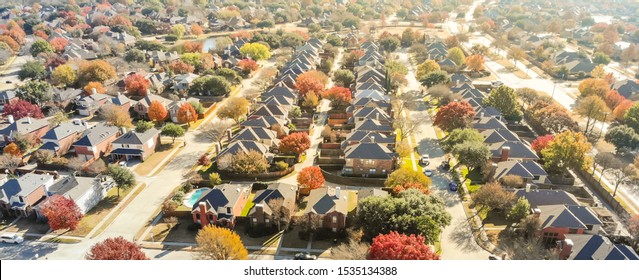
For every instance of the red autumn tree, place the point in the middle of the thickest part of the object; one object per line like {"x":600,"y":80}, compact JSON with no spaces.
{"x":181,"y":67}
{"x":22,"y":108}
{"x":541,"y":142}
{"x":61,"y":212}
{"x":59,"y":43}
{"x":454,"y":115}
{"x":116,"y":248}
{"x":248,"y":65}
{"x":620,"y":111}
{"x":339,"y":96}
{"x":192,"y":47}
{"x":186,"y":114}
{"x":396,"y":246}
{"x":613,"y":99}
{"x":40,"y":33}
{"x":12,"y":149}
{"x":242,"y":34}
{"x":137,"y":84}
{"x":310,"y":178}
{"x":410,"y":185}
{"x":88,"y":89}
{"x":311,"y":81}
{"x":157,"y":111}
{"x":296,"y":143}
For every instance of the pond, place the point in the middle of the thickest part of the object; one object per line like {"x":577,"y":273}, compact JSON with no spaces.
{"x":209,"y":44}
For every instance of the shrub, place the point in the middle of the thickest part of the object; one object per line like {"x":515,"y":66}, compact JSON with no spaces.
{"x":215,"y":179}
{"x":281,"y":166}
{"x":204,"y":160}
{"x":168,"y":207}
{"x":179,"y":196}
{"x":187,"y":187}
{"x":171,"y":38}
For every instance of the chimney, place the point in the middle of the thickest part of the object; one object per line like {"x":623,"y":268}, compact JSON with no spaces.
{"x":204,"y":219}
{"x":458,"y":82}
{"x":377,"y":116}
{"x":337,"y":191}
{"x":372,"y":139}
{"x":528,"y":187}
{"x":123,"y":130}
{"x":11,"y":119}
{"x":229,"y":133}
{"x":148,"y":92}
{"x":29,"y":120}
{"x":505,"y":153}
{"x":566,"y":248}
{"x":536,"y":212}
{"x":216,"y":146}
{"x":94,"y":91}
{"x":481,"y":115}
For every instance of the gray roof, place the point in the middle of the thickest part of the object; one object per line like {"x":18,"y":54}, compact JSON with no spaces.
{"x":373,"y":125}
{"x":364,"y":193}
{"x":24,"y":126}
{"x":255,"y":134}
{"x":64,"y":130}
{"x":371,"y":93}
{"x":488,"y":123}
{"x":567,"y":216}
{"x":498,"y":135}
{"x":597,"y":247}
{"x":627,"y":88}
{"x":518,"y":150}
{"x":323,"y":201}
{"x":96,"y":135}
{"x":244,"y":146}
{"x":225,"y":195}
{"x":137,"y":138}
{"x":525,"y":169}
{"x":120,"y":100}
{"x":262,"y":121}
{"x":23,"y":186}
{"x":547,"y":197}
{"x":284,"y":191}
{"x":368,"y":151}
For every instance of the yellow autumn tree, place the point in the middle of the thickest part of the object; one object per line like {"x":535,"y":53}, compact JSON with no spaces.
{"x":475,"y":62}
{"x":216,"y":243}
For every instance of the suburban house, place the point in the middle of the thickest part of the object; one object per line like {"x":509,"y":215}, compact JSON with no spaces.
{"x":627,"y":88}
{"x":361,"y":136}
{"x":558,"y":220}
{"x":158,"y":57}
{"x":370,"y":113}
{"x":261,"y":214}
{"x":62,"y":97}
{"x":142,"y":107}
{"x":59,"y":139}
{"x":174,"y":106}
{"x":96,"y":142}
{"x":511,"y":150}
{"x":29,"y":127}
{"x":258,"y":134}
{"x":183,"y":82}
{"x":139,"y":145}
{"x":265,"y":122}
{"x":221,"y":205}
{"x":87,"y":105}
{"x":159,"y":81}
{"x":368,"y":160}
{"x":85,"y":191}
{"x":20,"y":195}
{"x":542,"y":197}
{"x":224,"y":161}
{"x":530,"y":171}
{"x":593,"y":247}
{"x":330,"y":204}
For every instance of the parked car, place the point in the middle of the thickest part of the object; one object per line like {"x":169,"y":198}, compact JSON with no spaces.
{"x":494,"y":258}
{"x":425,"y":159}
{"x":428,"y":172}
{"x":452,"y":186}
{"x":11,"y":238}
{"x":496,"y":83}
{"x":304,"y":256}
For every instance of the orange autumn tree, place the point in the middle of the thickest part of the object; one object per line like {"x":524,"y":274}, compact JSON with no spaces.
{"x":310,"y":178}
{"x":475,"y":62}
{"x":620,"y":111}
{"x":186,"y":114}
{"x":59,"y":43}
{"x":12,"y":149}
{"x":311,"y":81}
{"x":181,"y":67}
{"x":157,"y":112}
{"x":192,"y":47}
{"x":196,"y":29}
{"x":137,"y":84}
{"x":88,"y":89}
{"x":295,"y":143}
{"x":339,"y":96}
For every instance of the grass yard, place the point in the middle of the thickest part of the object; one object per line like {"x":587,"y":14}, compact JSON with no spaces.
{"x":29,"y":225}
{"x":248,"y":206}
{"x":163,"y":151}
{"x":473,"y":188}
{"x":291,"y":240}
{"x":138,"y":190}
{"x":163,"y":232}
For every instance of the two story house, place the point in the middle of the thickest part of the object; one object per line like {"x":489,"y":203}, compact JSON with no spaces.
{"x":368,"y":160}
{"x":28,"y":127}
{"x":559,"y":220}
{"x":19,"y":196}
{"x":221,"y":205}
{"x":59,"y":139}
{"x":330,"y":204}
{"x":135,"y":145}
{"x":261,"y":214}
{"x":96,"y":142}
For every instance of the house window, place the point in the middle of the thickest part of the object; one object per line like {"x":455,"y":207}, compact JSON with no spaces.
{"x":535,"y":178}
{"x":229,"y":210}
{"x":334,"y":220}
{"x":21,"y":199}
{"x":140,"y":107}
{"x":589,"y":227}
{"x":197,"y":216}
{"x":372,"y":171}
{"x":210,"y":217}
{"x":334,"y":229}
{"x":572,"y":231}
{"x":267,"y":221}
{"x":383,"y":171}
{"x":255,"y":220}
{"x":348,"y":170}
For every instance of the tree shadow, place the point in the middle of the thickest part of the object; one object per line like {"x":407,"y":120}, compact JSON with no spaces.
{"x":463,"y":237}
{"x":26,"y":250}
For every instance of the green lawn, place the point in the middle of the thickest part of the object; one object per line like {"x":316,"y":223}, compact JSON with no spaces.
{"x":248,"y":205}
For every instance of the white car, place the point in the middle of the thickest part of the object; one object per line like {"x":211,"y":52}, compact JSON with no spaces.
{"x":425,"y":160}
{"x":428,"y":172}
{"x":11,"y":238}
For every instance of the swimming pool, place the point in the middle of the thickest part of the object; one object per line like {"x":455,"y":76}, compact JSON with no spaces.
{"x":194,"y":196}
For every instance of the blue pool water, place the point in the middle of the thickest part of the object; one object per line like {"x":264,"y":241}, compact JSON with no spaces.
{"x":195,"y":196}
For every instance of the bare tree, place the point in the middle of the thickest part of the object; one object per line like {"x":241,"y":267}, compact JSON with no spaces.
{"x":406,"y":100}
{"x":625,"y":175}
{"x":353,"y":250}
{"x":280,"y":213}
{"x":215,"y":132}
{"x":310,"y":222}
{"x":10,"y":163}
{"x":76,"y":164}
{"x":606,"y":160}
{"x":405,"y":126}
{"x":527,"y":249}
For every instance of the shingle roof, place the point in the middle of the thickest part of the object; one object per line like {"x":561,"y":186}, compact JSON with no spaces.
{"x":518,"y":150}
{"x":225,"y":195}
{"x":597,"y":247}
{"x":137,"y":138}
{"x":274,"y":191}
{"x":24,"y":185}
{"x":323,"y":201}
{"x":255,"y":134}
{"x":244,"y":146}
{"x":368,"y":151}
{"x":547,"y":197}
{"x":373,"y":125}
{"x":96,"y":135}
{"x":63,"y":130}
{"x":24,"y":125}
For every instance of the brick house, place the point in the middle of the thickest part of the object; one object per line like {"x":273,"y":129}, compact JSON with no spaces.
{"x":368,"y":160}
{"x":261,"y":214}
{"x":60,"y":139}
{"x":29,"y":127}
{"x":19,"y":196}
{"x":559,"y":220}
{"x":142,"y":107}
{"x":96,"y":142}
{"x":330,"y":204}
{"x":135,"y":145}
{"x":221,"y":205}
